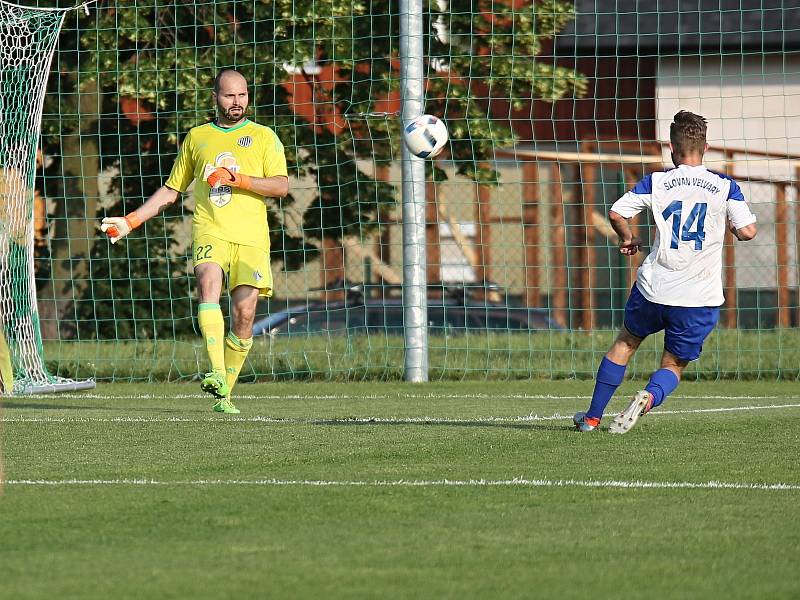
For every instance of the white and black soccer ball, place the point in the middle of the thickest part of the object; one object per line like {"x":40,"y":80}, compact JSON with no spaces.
{"x":426,"y":136}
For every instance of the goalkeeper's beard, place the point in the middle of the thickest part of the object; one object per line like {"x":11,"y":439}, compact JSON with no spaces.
{"x":230,"y":117}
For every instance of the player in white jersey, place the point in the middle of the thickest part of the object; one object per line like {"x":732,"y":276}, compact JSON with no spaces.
{"x":679,"y":285}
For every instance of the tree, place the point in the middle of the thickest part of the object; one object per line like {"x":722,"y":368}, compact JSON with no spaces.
{"x":160,"y":58}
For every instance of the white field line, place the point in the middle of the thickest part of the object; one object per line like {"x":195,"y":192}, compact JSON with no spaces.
{"x":367,"y":420}
{"x":516,"y":482}
{"x":398,"y":396}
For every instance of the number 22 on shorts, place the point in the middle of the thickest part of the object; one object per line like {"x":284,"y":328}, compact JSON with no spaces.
{"x":202,"y":252}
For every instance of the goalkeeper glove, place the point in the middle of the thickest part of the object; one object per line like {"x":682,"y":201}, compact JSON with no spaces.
{"x":222,"y":176}
{"x":117,"y":228}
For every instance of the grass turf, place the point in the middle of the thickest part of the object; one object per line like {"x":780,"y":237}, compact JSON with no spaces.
{"x":163,"y":534}
{"x":727,"y":354}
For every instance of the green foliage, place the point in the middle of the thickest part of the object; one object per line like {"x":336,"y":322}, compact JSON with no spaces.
{"x":164,"y":56}
{"x":140,"y":289}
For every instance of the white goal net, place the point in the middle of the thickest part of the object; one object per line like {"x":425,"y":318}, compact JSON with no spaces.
{"x":27,"y":41}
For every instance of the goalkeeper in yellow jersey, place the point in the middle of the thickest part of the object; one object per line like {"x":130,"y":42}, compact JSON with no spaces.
{"x":237,"y":164}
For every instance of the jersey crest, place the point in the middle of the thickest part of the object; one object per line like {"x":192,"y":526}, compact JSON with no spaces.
{"x":222,"y":195}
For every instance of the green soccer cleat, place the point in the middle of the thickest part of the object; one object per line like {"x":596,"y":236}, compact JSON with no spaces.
{"x":226,"y":406}
{"x":215,"y":384}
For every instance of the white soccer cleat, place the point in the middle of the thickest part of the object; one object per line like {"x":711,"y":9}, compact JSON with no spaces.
{"x":625,"y":420}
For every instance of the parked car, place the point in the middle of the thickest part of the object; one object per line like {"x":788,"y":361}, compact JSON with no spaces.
{"x":385,"y":315}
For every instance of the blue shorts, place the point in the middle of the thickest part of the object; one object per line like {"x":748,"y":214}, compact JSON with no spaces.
{"x":685,"y":327}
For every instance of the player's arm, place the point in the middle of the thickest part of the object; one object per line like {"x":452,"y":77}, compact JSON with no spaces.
{"x":118,"y":227}
{"x":178,"y":181}
{"x":630,"y":205}
{"x":744,"y":234}
{"x":629,"y":244}
{"x":272,"y":187}
{"x":741,"y":220}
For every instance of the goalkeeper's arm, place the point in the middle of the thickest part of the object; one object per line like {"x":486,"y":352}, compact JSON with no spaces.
{"x":272,"y":187}
{"x":118,"y":227}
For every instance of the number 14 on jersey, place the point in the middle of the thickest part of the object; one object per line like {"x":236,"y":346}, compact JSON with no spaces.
{"x":696,"y":218}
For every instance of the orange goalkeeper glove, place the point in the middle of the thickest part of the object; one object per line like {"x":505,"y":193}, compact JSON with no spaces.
{"x":222,"y":176}
{"x":117,"y":228}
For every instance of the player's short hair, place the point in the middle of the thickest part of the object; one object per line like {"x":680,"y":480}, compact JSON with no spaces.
{"x":687,"y":132}
{"x":218,"y":78}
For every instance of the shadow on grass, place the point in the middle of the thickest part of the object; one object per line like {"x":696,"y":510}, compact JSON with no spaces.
{"x":23,"y":405}
{"x":445,"y":423}
{"x":11,"y":405}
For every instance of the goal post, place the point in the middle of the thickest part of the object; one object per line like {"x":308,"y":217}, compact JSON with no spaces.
{"x":28,"y":37}
{"x":415,"y":284}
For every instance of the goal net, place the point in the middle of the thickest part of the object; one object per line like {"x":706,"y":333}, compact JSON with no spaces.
{"x":554,"y":107}
{"x":27,"y":42}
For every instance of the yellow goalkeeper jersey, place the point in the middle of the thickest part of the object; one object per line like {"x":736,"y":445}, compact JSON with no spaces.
{"x":227,"y":213}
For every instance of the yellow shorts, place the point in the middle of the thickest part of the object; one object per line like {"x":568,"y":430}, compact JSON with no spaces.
{"x":242,"y":265}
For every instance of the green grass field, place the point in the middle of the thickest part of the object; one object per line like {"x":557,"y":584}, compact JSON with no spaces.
{"x":386,"y":490}
{"x":772,"y":354}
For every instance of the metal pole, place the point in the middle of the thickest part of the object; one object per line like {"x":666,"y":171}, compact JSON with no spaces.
{"x":415,"y":284}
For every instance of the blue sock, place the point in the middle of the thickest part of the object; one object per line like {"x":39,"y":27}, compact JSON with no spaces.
{"x":662,"y":383}
{"x":609,"y":376}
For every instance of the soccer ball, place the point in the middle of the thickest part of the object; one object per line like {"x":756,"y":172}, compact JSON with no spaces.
{"x":426,"y":136}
